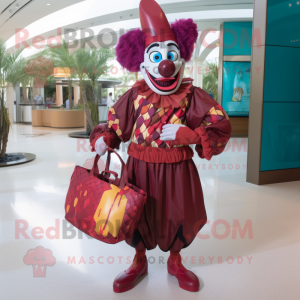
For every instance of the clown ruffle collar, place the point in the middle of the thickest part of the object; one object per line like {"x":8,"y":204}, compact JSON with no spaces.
{"x":161,"y":101}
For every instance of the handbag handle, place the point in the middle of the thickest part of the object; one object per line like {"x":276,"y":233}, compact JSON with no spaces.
{"x":95,"y":170}
{"x":109,"y":172}
{"x":124,"y":173}
{"x":107,"y":166}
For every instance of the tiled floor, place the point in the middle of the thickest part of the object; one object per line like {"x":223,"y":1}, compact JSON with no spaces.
{"x":262,"y":264}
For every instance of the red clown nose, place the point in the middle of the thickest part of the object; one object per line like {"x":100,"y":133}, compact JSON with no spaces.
{"x":154,"y":23}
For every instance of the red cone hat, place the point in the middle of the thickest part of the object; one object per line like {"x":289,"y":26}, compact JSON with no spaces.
{"x":154,"y":23}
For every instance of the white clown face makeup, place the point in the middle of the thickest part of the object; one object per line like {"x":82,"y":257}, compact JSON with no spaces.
{"x":163,"y":67}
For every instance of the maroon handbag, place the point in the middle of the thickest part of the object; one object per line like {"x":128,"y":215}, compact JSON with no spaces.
{"x":105,"y":209}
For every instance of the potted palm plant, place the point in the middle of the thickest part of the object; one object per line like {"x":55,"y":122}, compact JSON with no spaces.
{"x":11,"y":72}
{"x":62,"y":58}
{"x":89,"y":65}
{"x":96,"y":61}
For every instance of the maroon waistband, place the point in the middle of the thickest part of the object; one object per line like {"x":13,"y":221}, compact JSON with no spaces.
{"x":160,"y":155}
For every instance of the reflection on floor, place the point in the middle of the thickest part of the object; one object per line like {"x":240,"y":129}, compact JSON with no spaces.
{"x":248,"y":250}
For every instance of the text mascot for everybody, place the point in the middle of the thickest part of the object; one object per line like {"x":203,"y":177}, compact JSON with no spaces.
{"x":162,"y":115}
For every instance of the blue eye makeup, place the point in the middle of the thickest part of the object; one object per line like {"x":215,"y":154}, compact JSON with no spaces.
{"x":155,"y":56}
{"x":172,"y":55}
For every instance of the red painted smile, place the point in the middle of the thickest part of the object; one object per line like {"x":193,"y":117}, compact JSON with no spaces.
{"x":165,"y":84}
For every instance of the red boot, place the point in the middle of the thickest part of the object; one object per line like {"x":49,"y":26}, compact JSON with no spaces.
{"x":126,"y":280}
{"x":187,"y":279}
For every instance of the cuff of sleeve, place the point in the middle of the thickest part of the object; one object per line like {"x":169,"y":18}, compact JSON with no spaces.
{"x":204,"y":149}
{"x":185,"y":136}
{"x":110,"y":139}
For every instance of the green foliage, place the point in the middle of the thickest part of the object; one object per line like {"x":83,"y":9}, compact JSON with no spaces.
{"x":104,"y":93}
{"x":128,"y":79}
{"x":210,"y":80}
{"x":4,"y":127}
{"x":90,"y":65}
{"x":50,"y":90}
{"x":11,"y":72}
{"x":96,"y":60}
{"x":79,"y":106}
{"x":62,"y":58}
{"x":120,"y":92}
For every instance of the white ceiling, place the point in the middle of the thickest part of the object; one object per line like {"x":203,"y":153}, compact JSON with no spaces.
{"x":92,"y":14}
{"x":16,"y":14}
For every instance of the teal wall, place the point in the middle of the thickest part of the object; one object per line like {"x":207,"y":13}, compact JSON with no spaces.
{"x":281,"y":111}
{"x":282,"y":74}
{"x":281,"y":136}
{"x":237,"y":38}
{"x":283,"y":21}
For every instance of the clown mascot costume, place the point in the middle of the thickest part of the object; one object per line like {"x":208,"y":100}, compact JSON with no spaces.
{"x":162,"y":115}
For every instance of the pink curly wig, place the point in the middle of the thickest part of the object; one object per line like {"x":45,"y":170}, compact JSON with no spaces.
{"x":130,"y":50}
{"x":186,"y":33}
{"x":131,"y":45}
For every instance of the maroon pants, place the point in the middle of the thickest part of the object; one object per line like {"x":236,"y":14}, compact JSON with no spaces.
{"x":174,"y":212}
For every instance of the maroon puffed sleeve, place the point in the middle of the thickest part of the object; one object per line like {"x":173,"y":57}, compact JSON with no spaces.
{"x":210,"y":122}
{"x":120,"y":122}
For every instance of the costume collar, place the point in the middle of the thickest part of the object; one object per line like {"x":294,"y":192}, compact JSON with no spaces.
{"x":162,"y":101}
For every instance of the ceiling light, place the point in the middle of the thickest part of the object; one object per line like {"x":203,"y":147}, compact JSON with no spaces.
{"x":48,"y":4}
